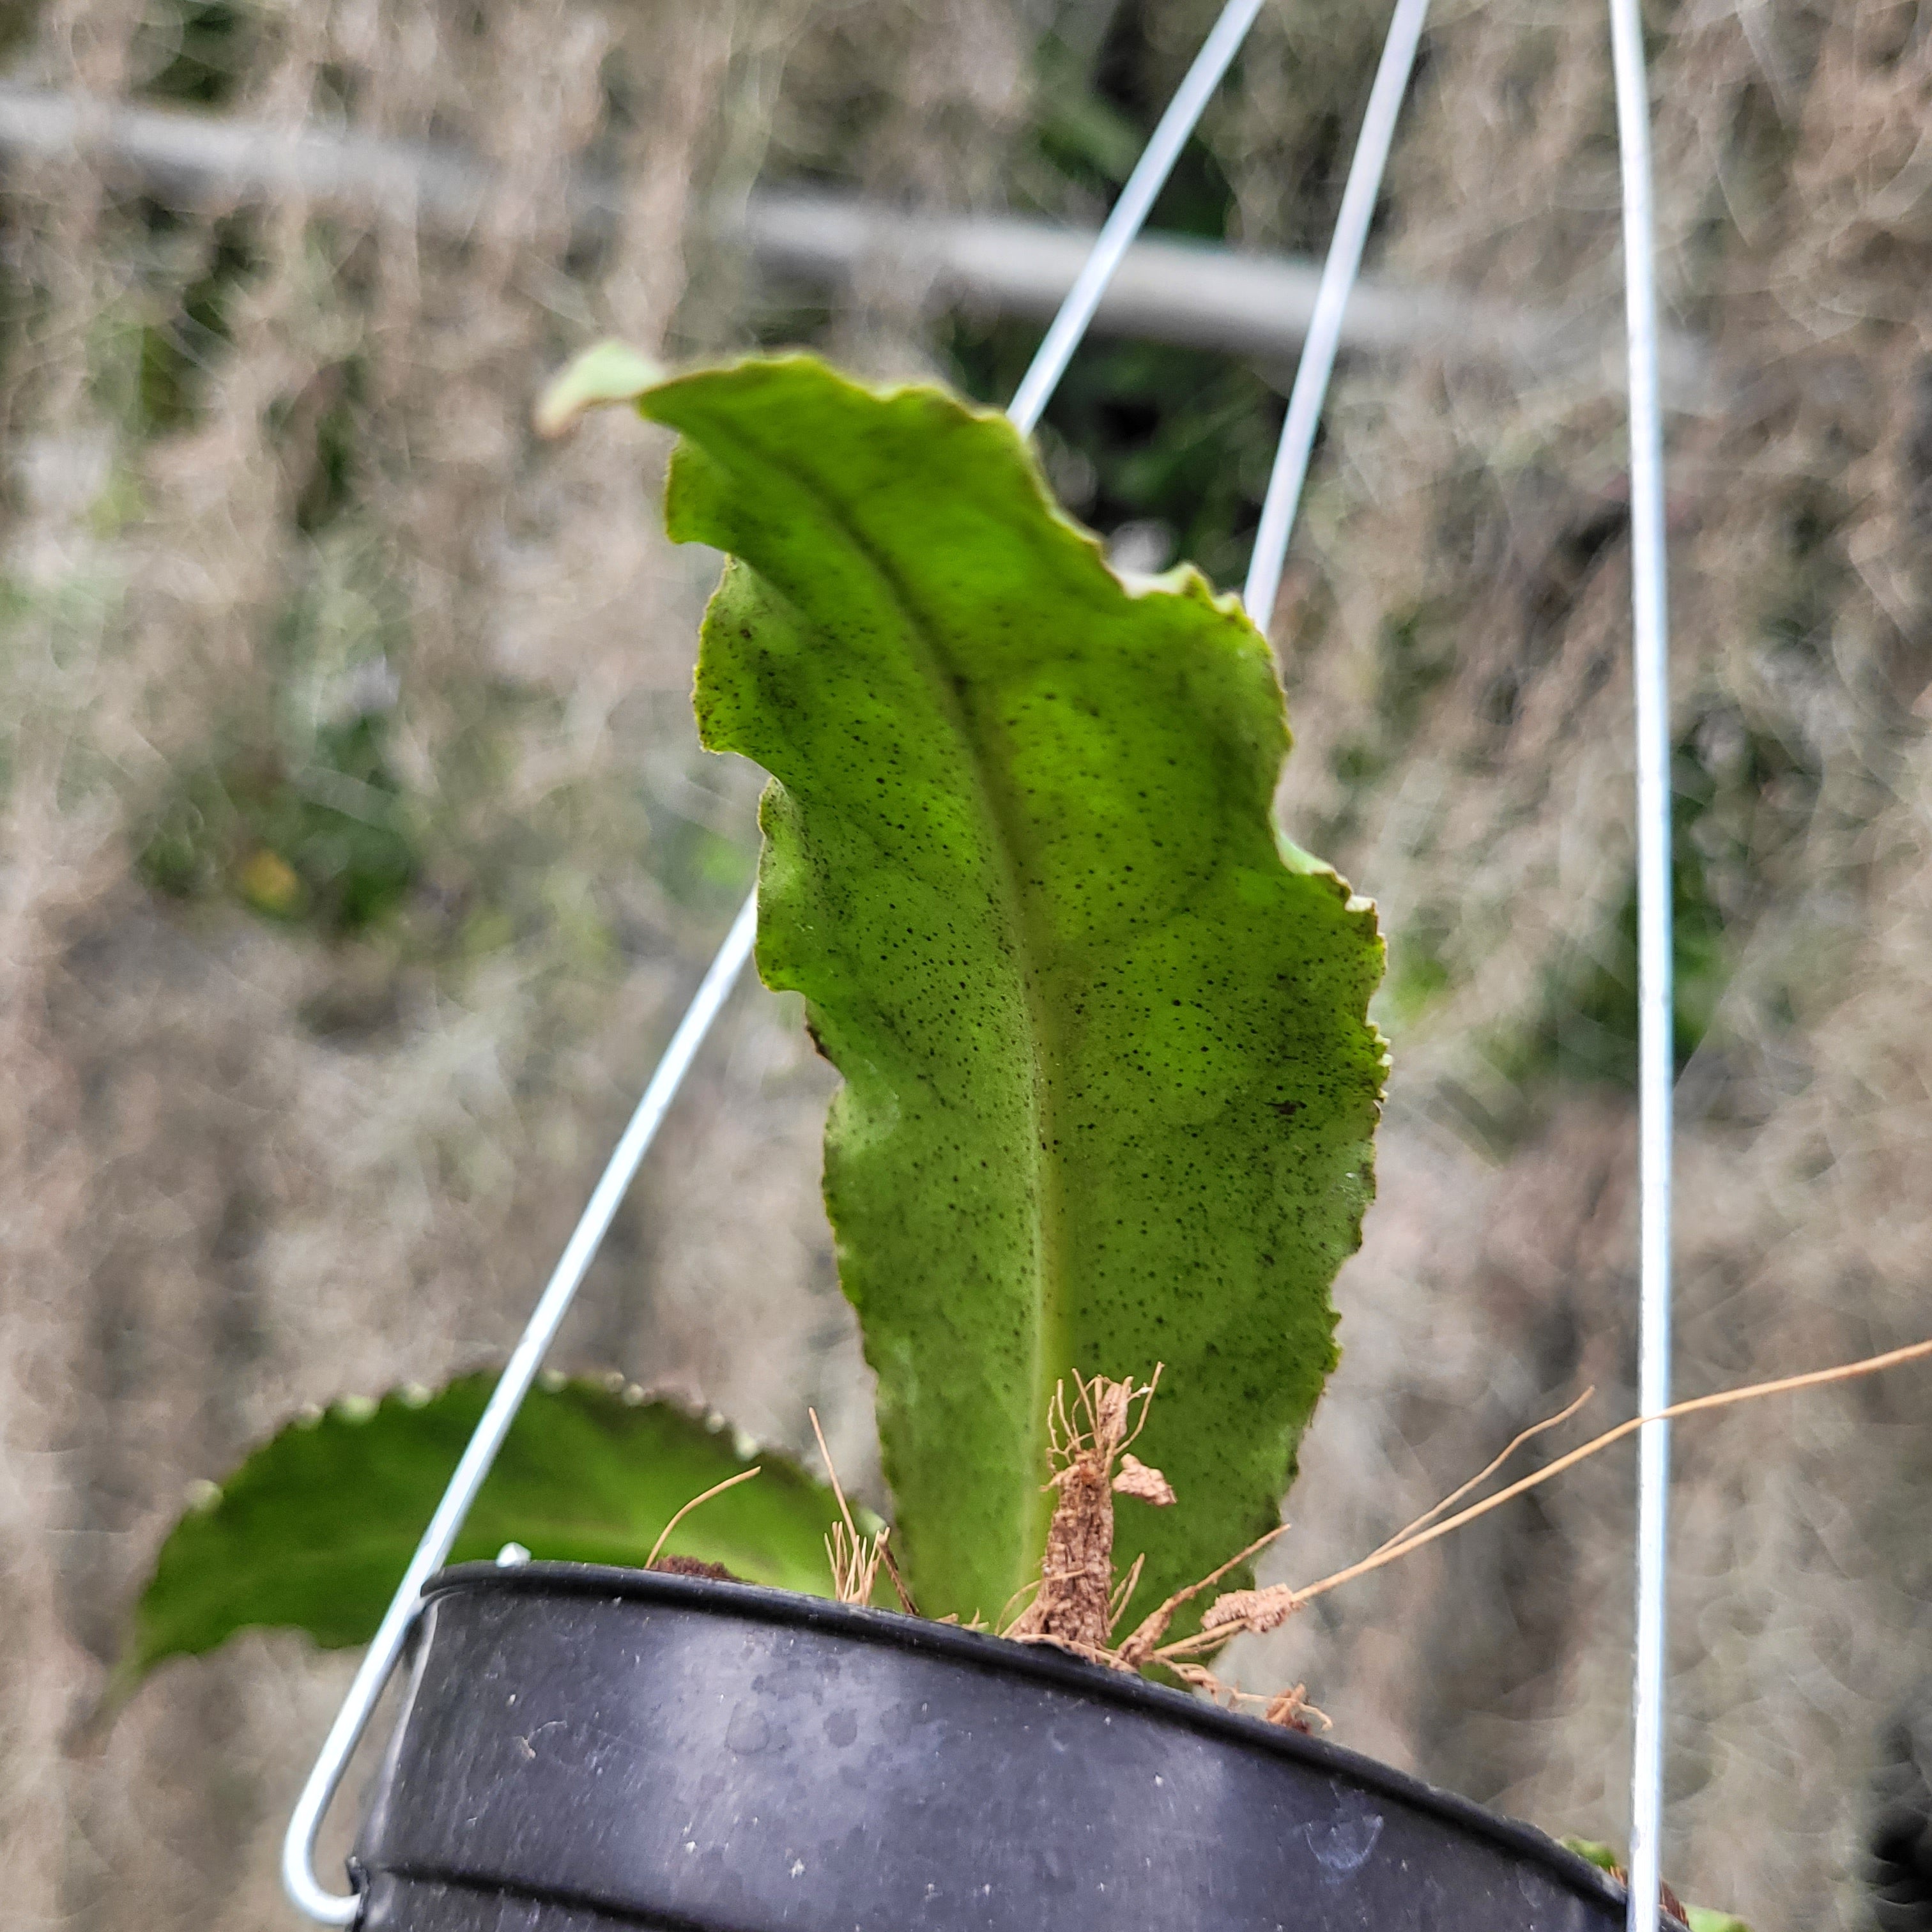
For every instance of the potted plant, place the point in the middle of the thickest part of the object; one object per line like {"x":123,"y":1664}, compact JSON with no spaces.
{"x":1104,"y":1139}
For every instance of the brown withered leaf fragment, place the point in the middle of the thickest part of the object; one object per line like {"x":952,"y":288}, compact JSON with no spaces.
{"x":1149,"y":1485}
{"x":1288,"y":1708}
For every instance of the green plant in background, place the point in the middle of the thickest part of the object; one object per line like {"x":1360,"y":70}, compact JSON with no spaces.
{"x":326,"y":840}
{"x":1736,"y":797}
{"x":1175,"y":443}
{"x":1168,"y":447}
{"x":194,"y":53}
{"x":1109,"y":1085}
{"x":304,"y":819}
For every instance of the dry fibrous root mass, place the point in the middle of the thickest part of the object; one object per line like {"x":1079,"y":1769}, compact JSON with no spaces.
{"x":1077,"y":1604}
{"x":1079,"y":1600}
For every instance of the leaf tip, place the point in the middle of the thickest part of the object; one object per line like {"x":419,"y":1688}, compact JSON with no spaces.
{"x":609,"y":372}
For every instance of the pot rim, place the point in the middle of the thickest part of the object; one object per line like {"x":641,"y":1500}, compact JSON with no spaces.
{"x":1045,"y":1663}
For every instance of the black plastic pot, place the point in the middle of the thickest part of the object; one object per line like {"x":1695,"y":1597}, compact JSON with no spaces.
{"x":583,"y":1748}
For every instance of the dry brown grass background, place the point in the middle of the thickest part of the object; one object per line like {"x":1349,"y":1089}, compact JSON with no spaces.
{"x":250,"y":1165}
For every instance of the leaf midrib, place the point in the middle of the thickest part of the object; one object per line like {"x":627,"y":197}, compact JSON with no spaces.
{"x":1050,"y":1303}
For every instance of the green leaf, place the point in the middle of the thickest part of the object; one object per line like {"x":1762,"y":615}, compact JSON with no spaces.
{"x":313,"y":1531}
{"x":1109,"y":1083}
{"x":1698,"y":1917}
{"x":1603,"y":1856}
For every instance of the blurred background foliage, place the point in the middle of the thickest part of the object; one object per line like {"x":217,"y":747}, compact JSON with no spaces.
{"x":358,"y":855}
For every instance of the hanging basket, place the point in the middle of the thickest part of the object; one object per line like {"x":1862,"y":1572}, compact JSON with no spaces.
{"x":582,"y":1747}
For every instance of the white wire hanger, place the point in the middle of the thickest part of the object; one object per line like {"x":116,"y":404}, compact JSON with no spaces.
{"x":1363,"y":189}
{"x":1652,"y":681}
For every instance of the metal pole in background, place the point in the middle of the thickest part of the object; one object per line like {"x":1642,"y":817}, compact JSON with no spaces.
{"x":1656,"y":1044}
{"x":304,"y":1889}
{"x":1175,"y":289}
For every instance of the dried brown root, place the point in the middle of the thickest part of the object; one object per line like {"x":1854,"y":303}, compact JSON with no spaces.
{"x":898,"y":1583}
{"x":1077,"y":1603}
{"x":855,"y":1562}
{"x":1238,"y":1612}
{"x":715,"y":1489}
{"x":1290,"y":1709}
{"x":1254,"y":1611}
{"x":1143,"y":1645}
{"x":855,"y":1559}
{"x":1009,"y":1611}
{"x":1483,"y":1474}
{"x":1123,"y":1591}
